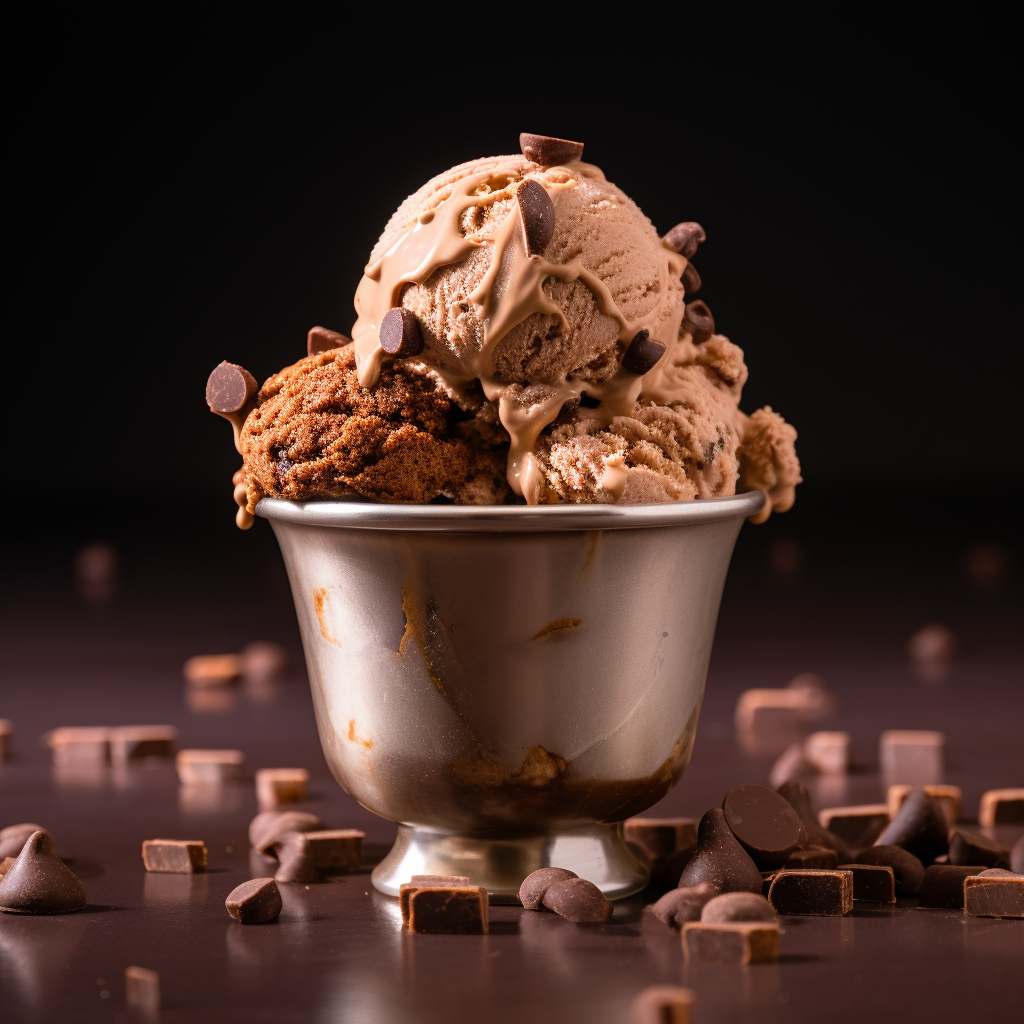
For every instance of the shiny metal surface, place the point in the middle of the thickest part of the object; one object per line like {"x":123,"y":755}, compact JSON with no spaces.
{"x":508,"y":687}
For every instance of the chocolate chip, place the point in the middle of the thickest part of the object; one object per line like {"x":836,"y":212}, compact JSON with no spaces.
{"x":14,"y":837}
{"x":678,"y":906}
{"x":909,"y":871}
{"x":920,"y":828}
{"x":719,"y":859}
{"x":740,"y":942}
{"x":872,"y":883}
{"x":642,"y":353}
{"x":765,"y":824}
{"x":971,"y":848}
{"x":691,"y":280}
{"x":174,"y":856}
{"x":943,"y":885}
{"x":737,"y":906}
{"x":449,"y":910}
{"x":796,"y":795}
{"x":39,"y":882}
{"x":812,"y":893}
{"x":255,"y":902}
{"x":531,"y":892}
{"x":538,"y":215}
{"x":547,"y":151}
{"x":400,"y":333}
{"x":229,"y":388}
{"x":269,"y":829}
{"x":698,"y":321}
{"x":988,"y":895}
{"x":568,"y":410}
{"x":577,"y":900}
{"x":320,"y":339}
{"x":685,"y":238}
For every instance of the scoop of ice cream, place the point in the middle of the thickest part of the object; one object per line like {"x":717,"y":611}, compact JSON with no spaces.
{"x":317,"y":434}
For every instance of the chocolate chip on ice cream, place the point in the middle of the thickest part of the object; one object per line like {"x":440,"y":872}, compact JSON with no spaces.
{"x":698,"y":321}
{"x":546,"y":149}
{"x":685,"y":238}
{"x":320,"y":339}
{"x":642,"y":354}
{"x":691,"y":279}
{"x":400,"y":333}
{"x":538,"y":215}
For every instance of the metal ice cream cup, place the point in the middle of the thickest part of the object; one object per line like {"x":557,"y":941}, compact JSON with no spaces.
{"x":508,"y":683}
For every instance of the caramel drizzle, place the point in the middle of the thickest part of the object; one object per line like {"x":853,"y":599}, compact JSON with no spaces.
{"x":510,"y":292}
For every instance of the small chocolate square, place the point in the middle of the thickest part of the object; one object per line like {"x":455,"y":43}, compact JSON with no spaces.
{"x":943,"y":885}
{"x":663,"y":1004}
{"x":857,"y":826}
{"x":174,"y":856}
{"x":742,"y":942}
{"x":994,"y":897}
{"x":1001,"y":807}
{"x":872,"y":883}
{"x":422,"y":881}
{"x":448,"y":910}
{"x":814,"y":893}
{"x":813,"y":857}
{"x":276,"y":786}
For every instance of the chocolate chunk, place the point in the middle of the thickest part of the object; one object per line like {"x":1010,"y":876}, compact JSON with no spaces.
{"x":813,"y":893}
{"x":448,"y":910}
{"x":276,"y":786}
{"x":987,"y":895}
{"x":531,"y":892}
{"x":971,"y":848}
{"x":142,"y":991}
{"x":308,"y":856}
{"x":911,"y":756}
{"x":400,"y":333}
{"x":548,"y":151}
{"x":39,"y":882}
{"x":320,"y":339}
{"x":943,"y":885}
{"x":255,"y":902}
{"x":406,"y":889}
{"x":77,"y":746}
{"x":813,"y":857}
{"x":691,"y":280}
{"x":134,"y":742}
{"x":212,"y":669}
{"x":538,"y":216}
{"x":577,"y":900}
{"x":685,"y":238}
{"x":174,"y":856}
{"x":949,"y":798}
{"x":765,"y":824}
{"x":14,"y":837}
{"x":907,"y":869}
{"x":698,"y":321}
{"x":642,"y":353}
{"x":737,"y":906}
{"x":742,"y":942}
{"x":1017,"y":856}
{"x":661,"y":837}
{"x":230,"y":388}
{"x":208,"y":767}
{"x":797,"y":796}
{"x":859,"y":825}
{"x":719,"y":859}
{"x":269,"y":829}
{"x":873,"y":883}
{"x":920,"y":828}
{"x":678,"y":906}
{"x":663,"y":1004}
{"x":1001,"y":807}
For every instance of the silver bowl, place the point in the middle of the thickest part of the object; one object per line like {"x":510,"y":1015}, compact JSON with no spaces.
{"x":508,"y":683}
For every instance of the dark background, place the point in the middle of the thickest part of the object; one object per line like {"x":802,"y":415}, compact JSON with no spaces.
{"x":171,"y":212}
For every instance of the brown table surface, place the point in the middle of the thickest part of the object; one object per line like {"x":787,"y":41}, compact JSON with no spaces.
{"x":338,"y":952}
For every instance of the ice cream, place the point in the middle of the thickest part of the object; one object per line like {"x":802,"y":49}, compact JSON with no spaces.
{"x":523,"y":334}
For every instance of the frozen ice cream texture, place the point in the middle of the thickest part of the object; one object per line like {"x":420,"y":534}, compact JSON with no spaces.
{"x":523,"y":333}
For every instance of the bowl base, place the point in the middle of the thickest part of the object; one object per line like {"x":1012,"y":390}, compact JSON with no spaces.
{"x":596,"y":852}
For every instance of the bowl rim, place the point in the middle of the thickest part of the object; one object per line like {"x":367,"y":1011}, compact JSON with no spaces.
{"x":362,"y":514}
